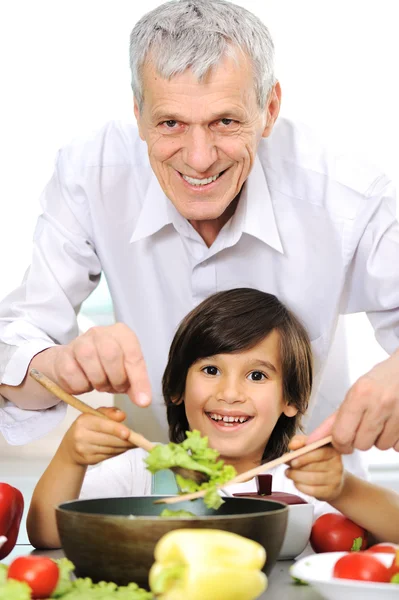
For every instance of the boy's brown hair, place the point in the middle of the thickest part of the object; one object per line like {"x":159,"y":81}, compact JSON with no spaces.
{"x":233,"y":321}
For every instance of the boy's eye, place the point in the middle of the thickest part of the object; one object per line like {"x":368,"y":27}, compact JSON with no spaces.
{"x":210,"y":370}
{"x":256,"y":376}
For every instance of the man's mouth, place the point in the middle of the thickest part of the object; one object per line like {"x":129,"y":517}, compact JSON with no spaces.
{"x":228,"y":420}
{"x":201,"y":182}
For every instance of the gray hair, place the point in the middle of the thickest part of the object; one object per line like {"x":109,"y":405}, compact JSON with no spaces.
{"x":197,"y":34}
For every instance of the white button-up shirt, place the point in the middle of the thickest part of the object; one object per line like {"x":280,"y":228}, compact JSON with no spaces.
{"x":318,"y":231}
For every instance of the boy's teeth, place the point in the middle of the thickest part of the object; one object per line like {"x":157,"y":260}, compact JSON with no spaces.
{"x":227,"y":419}
{"x":193,"y":181}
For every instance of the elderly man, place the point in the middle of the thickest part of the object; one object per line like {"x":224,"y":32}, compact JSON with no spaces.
{"x":210,"y":192}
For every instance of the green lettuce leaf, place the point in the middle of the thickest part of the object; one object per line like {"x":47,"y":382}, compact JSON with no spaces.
{"x":193,"y":453}
{"x":15,"y":590}
{"x":212,"y":498}
{"x":64,"y":584}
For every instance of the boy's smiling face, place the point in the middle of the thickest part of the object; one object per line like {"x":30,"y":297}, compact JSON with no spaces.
{"x":236,"y":400}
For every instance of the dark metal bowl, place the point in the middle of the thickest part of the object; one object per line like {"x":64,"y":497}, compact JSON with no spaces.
{"x":113,"y":539}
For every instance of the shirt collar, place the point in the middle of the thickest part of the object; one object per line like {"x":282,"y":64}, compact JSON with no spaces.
{"x":254,"y":214}
{"x":154,"y":214}
{"x":257,"y":212}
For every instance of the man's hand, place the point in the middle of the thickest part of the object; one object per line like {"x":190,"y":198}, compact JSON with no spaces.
{"x":107,"y":359}
{"x":319,"y":473}
{"x":369,"y":414}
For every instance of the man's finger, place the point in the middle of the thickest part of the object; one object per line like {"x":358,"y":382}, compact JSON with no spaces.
{"x":111,"y":356}
{"x":348,"y":419}
{"x":86,"y":355}
{"x":139,"y":391}
{"x":324,"y":429}
{"x":370,"y":428}
{"x":139,"y":388}
{"x":390,"y":434}
{"x":69,"y":375}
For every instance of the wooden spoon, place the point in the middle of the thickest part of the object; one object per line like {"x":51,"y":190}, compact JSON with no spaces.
{"x":285,"y":458}
{"x":136,"y":439}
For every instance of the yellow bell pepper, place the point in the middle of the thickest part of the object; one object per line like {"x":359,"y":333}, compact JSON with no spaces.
{"x":207,"y":564}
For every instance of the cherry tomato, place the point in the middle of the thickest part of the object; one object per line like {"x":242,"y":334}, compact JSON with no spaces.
{"x":384,"y":548}
{"x":361,"y":566}
{"x":335,"y":533}
{"x":39,"y":572}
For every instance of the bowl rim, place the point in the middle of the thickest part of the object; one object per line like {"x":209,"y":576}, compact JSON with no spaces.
{"x":60,"y":508}
{"x":336,"y":582}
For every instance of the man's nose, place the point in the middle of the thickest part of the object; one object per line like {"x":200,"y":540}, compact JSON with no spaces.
{"x":199,"y":150}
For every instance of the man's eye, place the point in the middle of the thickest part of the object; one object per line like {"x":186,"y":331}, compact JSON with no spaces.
{"x":256,"y":376}
{"x":210,"y":370}
{"x":226,"y":122}
{"x":170,"y":124}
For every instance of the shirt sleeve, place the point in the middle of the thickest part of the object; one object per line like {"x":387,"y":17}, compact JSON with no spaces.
{"x":119,"y":476}
{"x":372,"y":283}
{"x":19,"y":426}
{"x":64,"y":270}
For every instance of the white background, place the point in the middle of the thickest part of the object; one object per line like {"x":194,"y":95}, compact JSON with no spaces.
{"x":64,"y":71}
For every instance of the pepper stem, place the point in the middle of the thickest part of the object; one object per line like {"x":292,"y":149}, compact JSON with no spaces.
{"x":167,"y":577}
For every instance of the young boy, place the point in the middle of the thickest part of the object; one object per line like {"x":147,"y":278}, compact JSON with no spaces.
{"x":240,"y":372}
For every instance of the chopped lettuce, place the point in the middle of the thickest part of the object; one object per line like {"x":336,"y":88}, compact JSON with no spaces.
{"x":395,"y":578}
{"x":85,"y":589}
{"x":64,"y":584}
{"x":194,"y":454}
{"x":3,"y":574}
{"x":10,"y":589}
{"x":180,"y":514}
{"x":14,"y":590}
{"x":72,"y":589}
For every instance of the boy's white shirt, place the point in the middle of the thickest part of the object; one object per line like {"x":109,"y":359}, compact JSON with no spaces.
{"x":126,"y":475}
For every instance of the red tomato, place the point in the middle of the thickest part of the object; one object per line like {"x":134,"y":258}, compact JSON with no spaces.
{"x":336,"y":533}
{"x":39,"y":572}
{"x":361,"y":566}
{"x":385,"y":548}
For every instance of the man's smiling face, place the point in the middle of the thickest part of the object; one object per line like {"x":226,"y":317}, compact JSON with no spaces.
{"x":202,"y":137}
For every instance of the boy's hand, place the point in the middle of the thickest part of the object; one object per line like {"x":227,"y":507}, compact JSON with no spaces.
{"x":92,"y":439}
{"x":319,"y":473}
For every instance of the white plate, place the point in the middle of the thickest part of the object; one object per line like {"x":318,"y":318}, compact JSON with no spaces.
{"x":317,"y":569}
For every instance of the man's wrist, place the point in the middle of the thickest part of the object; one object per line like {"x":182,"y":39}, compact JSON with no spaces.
{"x":44,"y":362}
